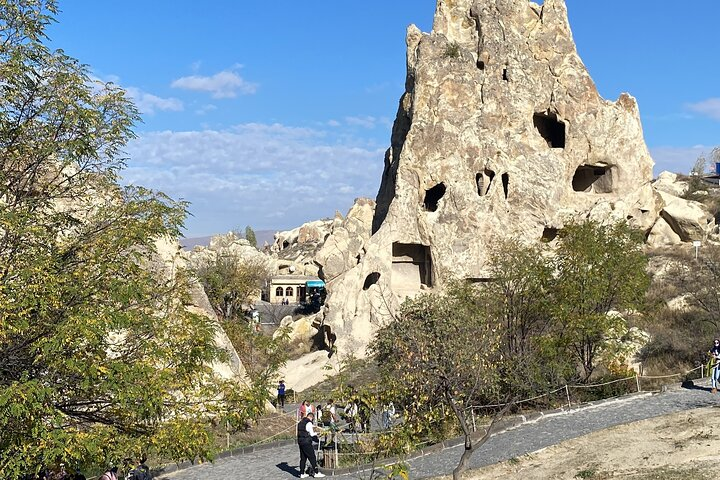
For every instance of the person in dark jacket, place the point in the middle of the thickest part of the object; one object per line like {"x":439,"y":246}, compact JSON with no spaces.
{"x":305,"y":436}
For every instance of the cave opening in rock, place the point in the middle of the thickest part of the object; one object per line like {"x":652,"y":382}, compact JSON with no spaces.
{"x":506,"y":184}
{"x":411,"y":266}
{"x":549,"y":234}
{"x":490,"y":175}
{"x":433,"y":196}
{"x":480,"y":181}
{"x":480,"y":65}
{"x":550,"y":128}
{"x":593,"y":179}
{"x":371,"y":280}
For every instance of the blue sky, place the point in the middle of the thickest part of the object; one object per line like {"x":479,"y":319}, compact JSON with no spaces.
{"x":272,"y":114}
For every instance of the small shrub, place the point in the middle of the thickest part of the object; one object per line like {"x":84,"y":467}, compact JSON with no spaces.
{"x":452,"y":50}
{"x":587,"y":473}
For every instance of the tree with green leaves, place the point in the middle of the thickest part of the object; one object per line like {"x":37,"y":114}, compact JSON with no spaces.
{"x":541,"y":319}
{"x":519,"y":299}
{"x":231,"y":282}
{"x":598,"y":268}
{"x":100,"y":358}
{"x":250,"y":236}
{"x":442,"y":350}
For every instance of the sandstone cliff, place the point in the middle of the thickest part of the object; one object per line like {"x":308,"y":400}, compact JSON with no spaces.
{"x":501,"y":131}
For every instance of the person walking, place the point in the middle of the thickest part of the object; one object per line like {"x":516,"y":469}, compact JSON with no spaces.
{"x":305,"y":436}
{"x":281,"y":395}
{"x":715,"y":354}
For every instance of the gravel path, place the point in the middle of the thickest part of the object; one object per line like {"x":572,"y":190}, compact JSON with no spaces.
{"x":282,"y":462}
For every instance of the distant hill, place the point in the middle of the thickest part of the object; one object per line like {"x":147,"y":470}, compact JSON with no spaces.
{"x":262,"y":236}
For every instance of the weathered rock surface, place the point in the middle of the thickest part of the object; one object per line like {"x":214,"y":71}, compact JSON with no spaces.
{"x":668,"y":182}
{"x":228,"y":245}
{"x":689,"y":220}
{"x":662,"y":234}
{"x":171,"y":254}
{"x":311,"y":232}
{"x":501,"y":131}
{"x":345,"y":245}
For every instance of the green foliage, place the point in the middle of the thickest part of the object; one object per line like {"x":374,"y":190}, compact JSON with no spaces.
{"x":542,"y":318}
{"x":100,"y":358}
{"x":452,"y":50}
{"x":440,"y":350}
{"x":599,"y":268}
{"x":230,"y":282}
{"x":250,"y":236}
{"x":520,"y":300}
{"x":262,"y":355}
{"x":587,"y":473}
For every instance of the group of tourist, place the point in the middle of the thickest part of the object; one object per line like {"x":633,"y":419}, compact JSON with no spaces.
{"x":316,"y":420}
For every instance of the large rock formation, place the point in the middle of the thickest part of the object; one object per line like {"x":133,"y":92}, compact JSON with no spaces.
{"x":501,"y":131}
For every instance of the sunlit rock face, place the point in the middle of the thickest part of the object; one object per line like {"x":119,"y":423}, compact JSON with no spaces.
{"x":500,"y":132}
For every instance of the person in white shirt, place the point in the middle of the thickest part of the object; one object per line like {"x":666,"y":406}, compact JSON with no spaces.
{"x":305,"y":436}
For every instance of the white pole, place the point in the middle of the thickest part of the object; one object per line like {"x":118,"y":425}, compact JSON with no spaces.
{"x":227,"y":433}
{"x":637,"y":380}
{"x":567,"y":393}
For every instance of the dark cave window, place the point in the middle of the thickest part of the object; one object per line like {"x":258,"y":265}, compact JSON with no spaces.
{"x":371,"y":279}
{"x":549,"y":234}
{"x":433,"y":196}
{"x":551,"y":129}
{"x":592,"y":178}
{"x":491,"y":175}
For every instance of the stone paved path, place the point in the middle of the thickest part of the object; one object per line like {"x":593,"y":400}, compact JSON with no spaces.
{"x":282,"y":462}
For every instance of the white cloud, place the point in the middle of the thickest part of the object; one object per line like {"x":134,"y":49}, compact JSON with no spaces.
{"x":333,"y":123}
{"x":677,"y":159}
{"x":206,"y":109}
{"x":366,"y":121}
{"x":267,"y":176}
{"x":225,"y":84}
{"x":709,"y":108}
{"x":149,"y":104}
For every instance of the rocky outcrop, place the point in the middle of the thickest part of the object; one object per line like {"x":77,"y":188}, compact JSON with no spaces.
{"x":689,"y":220}
{"x":227,"y":245}
{"x":312,"y":232}
{"x":170,"y":253}
{"x":500,"y":131}
{"x":669,"y":182}
{"x":344,"y":247}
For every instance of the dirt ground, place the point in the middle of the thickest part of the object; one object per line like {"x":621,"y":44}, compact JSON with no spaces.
{"x":680,"y":446}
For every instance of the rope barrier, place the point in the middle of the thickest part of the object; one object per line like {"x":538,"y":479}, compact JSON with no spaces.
{"x":519,"y":401}
{"x":270,"y":438}
{"x":635,"y":377}
{"x":603,"y":384}
{"x":673,"y":375}
{"x":342,"y":434}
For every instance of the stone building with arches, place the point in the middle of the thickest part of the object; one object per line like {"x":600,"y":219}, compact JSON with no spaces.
{"x":292,"y":288}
